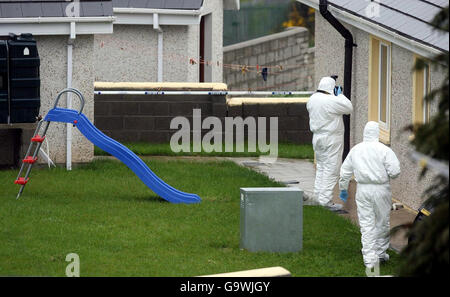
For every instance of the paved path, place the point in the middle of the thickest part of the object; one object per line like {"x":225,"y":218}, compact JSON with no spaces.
{"x":292,"y":172}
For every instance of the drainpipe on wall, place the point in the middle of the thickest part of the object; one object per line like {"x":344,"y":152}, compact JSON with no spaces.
{"x":160,"y":45}
{"x":69,"y":95}
{"x":349,"y":44}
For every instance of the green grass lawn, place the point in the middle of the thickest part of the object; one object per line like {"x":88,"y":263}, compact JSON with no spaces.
{"x":118,"y":227}
{"x":285,"y":150}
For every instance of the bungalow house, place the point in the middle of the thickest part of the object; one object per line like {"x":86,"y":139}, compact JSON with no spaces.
{"x":83,"y":41}
{"x":156,"y":41}
{"x":64,"y":33}
{"x":390,"y":37}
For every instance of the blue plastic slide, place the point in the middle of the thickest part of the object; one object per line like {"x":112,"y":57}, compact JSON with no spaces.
{"x":121,"y":152}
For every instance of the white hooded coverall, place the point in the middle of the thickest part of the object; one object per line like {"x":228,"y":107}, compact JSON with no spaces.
{"x":373,"y":164}
{"x":326,"y":123}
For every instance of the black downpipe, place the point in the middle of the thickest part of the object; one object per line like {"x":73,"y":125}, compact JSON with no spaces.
{"x":8,"y":85}
{"x":349,"y":44}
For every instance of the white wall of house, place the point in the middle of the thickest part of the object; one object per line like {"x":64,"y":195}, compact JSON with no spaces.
{"x":130,"y":53}
{"x":329,"y":60}
{"x":53,"y":73}
{"x":215,"y":9}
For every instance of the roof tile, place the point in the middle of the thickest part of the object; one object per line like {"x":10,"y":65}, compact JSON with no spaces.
{"x":11,"y":10}
{"x":31,"y":9}
{"x":410,"y":18}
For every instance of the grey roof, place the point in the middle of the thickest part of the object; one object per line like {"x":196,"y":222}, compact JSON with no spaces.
{"x":159,"y":4}
{"x":52,"y":8}
{"x":410,"y":18}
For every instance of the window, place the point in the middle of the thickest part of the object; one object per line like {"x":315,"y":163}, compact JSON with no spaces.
{"x":421,"y":86}
{"x":380,"y":85}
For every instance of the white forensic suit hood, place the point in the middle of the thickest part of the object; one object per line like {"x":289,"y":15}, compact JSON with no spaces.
{"x":327,"y":84}
{"x":372,"y":131}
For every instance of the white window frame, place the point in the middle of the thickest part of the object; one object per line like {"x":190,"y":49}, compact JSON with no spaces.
{"x":384,"y":125}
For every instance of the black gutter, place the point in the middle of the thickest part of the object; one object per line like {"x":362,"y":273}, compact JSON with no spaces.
{"x":8,"y":83}
{"x":349,"y":44}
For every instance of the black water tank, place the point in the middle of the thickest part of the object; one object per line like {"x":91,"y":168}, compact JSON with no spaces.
{"x":3,"y":82}
{"x":24,"y":78}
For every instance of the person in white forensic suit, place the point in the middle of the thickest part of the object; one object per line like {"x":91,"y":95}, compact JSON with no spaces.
{"x":373,"y":165}
{"x":325,"y":121}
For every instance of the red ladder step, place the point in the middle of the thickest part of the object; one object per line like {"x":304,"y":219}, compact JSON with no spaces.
{"x":29,"y":160}
{"x":38,"y":138}
{"x":21,"y":181}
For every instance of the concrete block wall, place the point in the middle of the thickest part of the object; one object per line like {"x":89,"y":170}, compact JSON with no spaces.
{"x":144,"y":118}
{"x":293,"y":119}
{"x":289,"y":49}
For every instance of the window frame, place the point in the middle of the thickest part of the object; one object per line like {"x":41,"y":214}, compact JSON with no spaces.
{"x":384,"y":125}
{"x":374,"y":86}
{"x":421,"y":88}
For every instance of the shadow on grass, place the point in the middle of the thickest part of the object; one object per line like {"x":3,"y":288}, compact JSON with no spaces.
{"x":150,"y":198}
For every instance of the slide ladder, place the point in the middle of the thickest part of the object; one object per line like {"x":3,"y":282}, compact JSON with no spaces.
{"x":29,"y":160}
{"x":78,"y":119}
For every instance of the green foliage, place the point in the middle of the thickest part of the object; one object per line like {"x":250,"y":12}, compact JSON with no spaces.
{"x":254,"y":20}
{"x":260,"y":18}
{"x":300,"y":15}
{"x":428,"y":254}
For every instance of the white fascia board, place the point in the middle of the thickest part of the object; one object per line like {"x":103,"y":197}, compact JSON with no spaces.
{"x":157,"y":11}
{"x":379,"y":31}
{"x":56,"y":26}
{"x":144,"y":16}
{"x":147,"y":19}
{"x":40,"y":20}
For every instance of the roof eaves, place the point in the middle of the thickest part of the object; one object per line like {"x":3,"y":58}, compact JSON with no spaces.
{"x":143,"y":16}
{"x":413,"y":44}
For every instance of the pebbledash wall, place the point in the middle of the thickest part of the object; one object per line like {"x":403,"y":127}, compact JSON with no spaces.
{"x":289,"y":49}
{"x":53,"y":53}
{"x":131,"y":52}
{"x":407,"y":188}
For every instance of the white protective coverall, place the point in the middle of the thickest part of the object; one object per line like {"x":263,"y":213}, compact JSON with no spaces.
{"x":373,"y":164}
{"x":326,"y":123}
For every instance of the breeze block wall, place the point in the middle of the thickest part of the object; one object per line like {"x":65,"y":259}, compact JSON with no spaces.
{"x":289,"y":49}
{"x":146,"y":118}
{"x":293,"y":117}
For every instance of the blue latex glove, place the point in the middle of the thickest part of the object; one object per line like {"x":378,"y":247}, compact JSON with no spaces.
{"x":343,"y":195}
{"x":338,"y":90}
